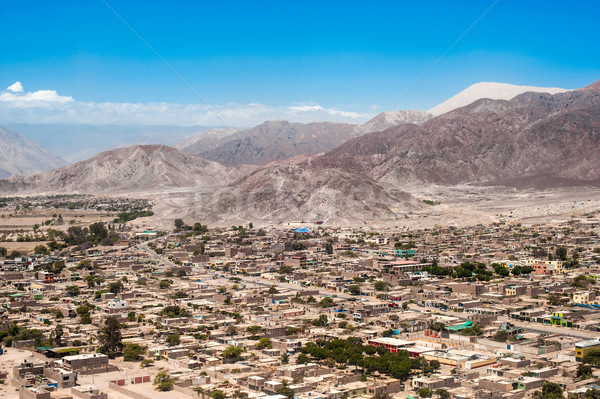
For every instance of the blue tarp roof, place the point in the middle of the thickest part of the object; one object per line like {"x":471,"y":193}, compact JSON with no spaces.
{"x":302,"y":230}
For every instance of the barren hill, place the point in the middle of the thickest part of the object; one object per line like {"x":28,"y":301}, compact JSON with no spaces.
{"x":131,"y":169}
{"x":532,"y":135}
{"x":21,"y":156}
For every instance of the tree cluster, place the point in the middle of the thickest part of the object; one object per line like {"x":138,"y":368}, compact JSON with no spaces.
{"x":371,"y":359}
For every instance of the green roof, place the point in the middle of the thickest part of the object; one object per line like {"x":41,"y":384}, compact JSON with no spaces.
{"x":460,"y":327}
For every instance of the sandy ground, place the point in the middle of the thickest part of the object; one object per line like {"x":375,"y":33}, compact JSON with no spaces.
{"x":23,"y":224}
{"x":11,"y":358}
{"x":22,"y":246}
{"x":459,"y":206}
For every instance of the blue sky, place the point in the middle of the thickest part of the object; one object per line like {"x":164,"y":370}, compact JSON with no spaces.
{"x":355,"y":58}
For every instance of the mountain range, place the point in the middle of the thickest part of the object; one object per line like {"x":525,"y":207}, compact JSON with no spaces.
{"x":278,"y":140}
{"x":535,"y":139}
{"x":21,"y":156}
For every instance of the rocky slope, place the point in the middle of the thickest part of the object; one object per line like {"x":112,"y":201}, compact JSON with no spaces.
{"x":207,"y":140}
{"x":279,"y":140}
{"x":534,"y":139}
{"x":531,"y":137}
{"x":132,"y":169}
{"x":21,"y":156}
{"x":285,"y":192}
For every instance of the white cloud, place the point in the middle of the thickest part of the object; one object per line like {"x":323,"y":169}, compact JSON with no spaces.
{"x":329,"y":111}
{"x":16,"y":87}
{"x":305,"y":108}
{"x":47,"y":106}
{"x":40,"y":96}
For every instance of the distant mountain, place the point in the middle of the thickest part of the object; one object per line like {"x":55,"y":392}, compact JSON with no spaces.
{"x":274,"y":141}
{"x":139,"y":168}
{"x":279,"y":140}
{"x":21,"y":156}
{"x":79,"y":142}
{"x":491,"y":90}
{"x":388,"y":119}
{"x":207,"y":140}
{"x":533,"y":139}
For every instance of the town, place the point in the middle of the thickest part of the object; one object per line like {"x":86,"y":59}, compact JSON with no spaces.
{"x":105,"y":305}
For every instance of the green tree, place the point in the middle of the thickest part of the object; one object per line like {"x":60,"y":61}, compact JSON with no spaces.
{"x":57,"y":267}
{"x":329,"y":248}
{"x":254,"y":329}
{"x":264,"y":343}
{"x":217,"y":394}
{"x":302,"y":359}
{"x":425,"y":393}
{"x":178,"y":224}
{"x":354,"y":289}
{"x":173,"y":340}
{"x":500,"y":270}
{"x":231,"y":331}
{"x":326,"y":302}
{"x":321,"y":321}
{"x":380,"y":285}
{"x":584,"y":371}
{"x":442,"y":393}
{"x":163,"y":381}
{"x":56,"y":336}
{"x":73,"y":290}
{"x":164,"y":284}
{"x":550,"y":390}
{"x":592,"y":393}
{"x":133,"y":352}
{"x":40,"y":250}
{"x":232,"y":352}
{"x":500,"y":336}
{"x":115,"y":287}
{"x":285,"y":390}
{"x":561,"y":253}
{"x":285,"y":358}
{"x":84,"y":313}
{"x":109,"y":337}
{"x":592,"y":357}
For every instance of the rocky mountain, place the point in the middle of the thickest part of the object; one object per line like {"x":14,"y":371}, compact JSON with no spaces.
{"x":284,"y":192}
{"x":276,"y":140}
{"x":21,"y":156}
{"x":491,"y":90}
{"x":533,"y":138}
{"x":279,"y":140}
{"x":132,"y":169}
{"x":207,"y":140}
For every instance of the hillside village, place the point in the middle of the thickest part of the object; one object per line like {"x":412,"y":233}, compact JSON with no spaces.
{"x":302,"y":311}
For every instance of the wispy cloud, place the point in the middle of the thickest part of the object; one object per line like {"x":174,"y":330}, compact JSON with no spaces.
{"x":47,"y":106}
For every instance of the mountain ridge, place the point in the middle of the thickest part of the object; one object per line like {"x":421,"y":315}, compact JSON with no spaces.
{"x":21,"y":156}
